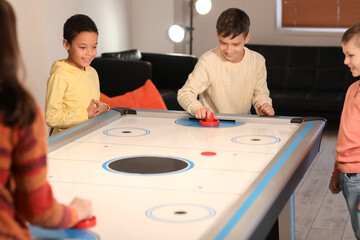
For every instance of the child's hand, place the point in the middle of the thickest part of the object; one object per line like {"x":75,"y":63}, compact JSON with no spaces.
{"x":83,"y":208}
{"x":334,"y":186}
{"x":265,"y":109}
{"x":203,"y":113}
{"x":100,"y":108}
{"x":92,"y":108}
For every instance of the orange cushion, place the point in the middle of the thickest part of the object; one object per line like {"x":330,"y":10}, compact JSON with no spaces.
{"x":144,"y":97}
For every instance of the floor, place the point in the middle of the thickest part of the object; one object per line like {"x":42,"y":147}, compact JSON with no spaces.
{"x":319,"y":214}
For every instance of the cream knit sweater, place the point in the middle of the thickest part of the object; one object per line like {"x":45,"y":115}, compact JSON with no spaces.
{"x":225,"y":87}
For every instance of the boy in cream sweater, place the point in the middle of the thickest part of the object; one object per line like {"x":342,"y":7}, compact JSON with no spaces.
{"x":229,"y":78}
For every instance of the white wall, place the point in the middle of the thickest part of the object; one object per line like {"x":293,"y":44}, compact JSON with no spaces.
{"x":149,"y":24}
{"x":31,"y":35}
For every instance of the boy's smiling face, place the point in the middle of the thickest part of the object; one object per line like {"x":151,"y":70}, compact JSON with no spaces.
{"x":352,"y":56}
{"x":233,"y":48}
{"x":82,"y":50}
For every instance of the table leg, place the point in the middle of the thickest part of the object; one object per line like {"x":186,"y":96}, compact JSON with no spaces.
{"x":287,"y":221}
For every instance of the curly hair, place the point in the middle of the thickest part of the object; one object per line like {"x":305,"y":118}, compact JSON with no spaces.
{"x":233,"y":22}
{"x":77,"y":24}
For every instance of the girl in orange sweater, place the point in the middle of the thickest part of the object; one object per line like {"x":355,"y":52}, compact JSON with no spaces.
{"x":25,"y":194}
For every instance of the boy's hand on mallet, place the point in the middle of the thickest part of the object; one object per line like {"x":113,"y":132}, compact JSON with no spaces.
{"x":203,"y":113}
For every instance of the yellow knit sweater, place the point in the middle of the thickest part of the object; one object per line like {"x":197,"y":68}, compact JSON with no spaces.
{"x":225,"y":87}
{"x":69,"y":93}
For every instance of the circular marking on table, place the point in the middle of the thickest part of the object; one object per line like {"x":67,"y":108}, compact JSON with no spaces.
{"x":148,"y":165}
{"x":208,"y":153}
{"x":126,"y":132}
{"x":180,"y":213}
{"x":256,"y":139}
{"x":195,"y":123}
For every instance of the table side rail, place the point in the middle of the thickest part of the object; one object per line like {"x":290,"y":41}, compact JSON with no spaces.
{"x":236,"y":117}
{"x":270,"y":192}
{"x":76,"y":132}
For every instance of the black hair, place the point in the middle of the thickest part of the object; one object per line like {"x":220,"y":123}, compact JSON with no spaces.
{"x":233,"y":22}
{"x":77,"y":24}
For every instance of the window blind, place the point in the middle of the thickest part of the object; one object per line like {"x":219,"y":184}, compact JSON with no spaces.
{"x":320,"y":13}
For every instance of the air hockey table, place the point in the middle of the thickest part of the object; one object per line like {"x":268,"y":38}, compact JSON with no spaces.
{"x":160,"y":175}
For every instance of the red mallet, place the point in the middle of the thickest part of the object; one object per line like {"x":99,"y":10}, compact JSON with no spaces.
{"x":209,"y":122}
{"x":86,"y":223}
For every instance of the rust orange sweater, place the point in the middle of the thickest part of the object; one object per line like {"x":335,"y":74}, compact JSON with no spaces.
{"x":25,"y":194}
{"x":347,"y":158}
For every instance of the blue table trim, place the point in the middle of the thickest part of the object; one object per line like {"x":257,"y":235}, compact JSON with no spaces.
{"x":80,"y":126}
{"x":68,"y":233}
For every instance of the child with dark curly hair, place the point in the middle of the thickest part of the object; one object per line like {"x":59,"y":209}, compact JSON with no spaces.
{"x":25,"y":194}
{"x":73,"y":90}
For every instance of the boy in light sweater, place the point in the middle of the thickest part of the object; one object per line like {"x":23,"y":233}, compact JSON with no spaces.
{"x":73,"y":90}
{"x":346,"y":174}
{"x":229,"y":78}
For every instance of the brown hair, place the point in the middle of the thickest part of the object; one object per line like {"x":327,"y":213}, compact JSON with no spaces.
{"x":233,"y":22}
{"x":353,"y":31}
{"x":17,"y":106}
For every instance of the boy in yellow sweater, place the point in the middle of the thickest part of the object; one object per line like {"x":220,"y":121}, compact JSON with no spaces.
{"x":346,"y":174}
{"x":229,"y":78}
{"x":73,"y":87}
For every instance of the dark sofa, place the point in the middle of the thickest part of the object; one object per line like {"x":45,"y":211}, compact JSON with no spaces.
{"x":118,"y":77}
{"x":168,"y":71}
{"x":306,"y":80}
